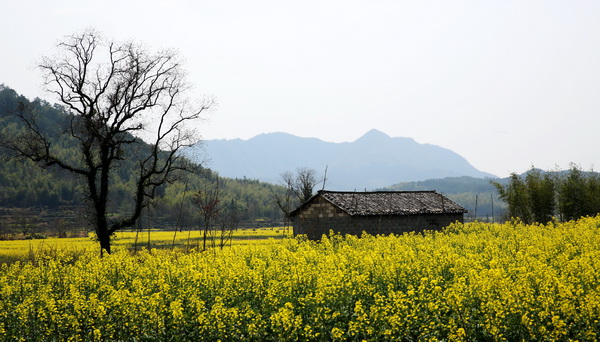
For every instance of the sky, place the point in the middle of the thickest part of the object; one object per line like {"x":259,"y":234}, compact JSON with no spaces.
{"x":507,"y":84}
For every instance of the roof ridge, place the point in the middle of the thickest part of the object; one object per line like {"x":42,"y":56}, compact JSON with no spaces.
{"x":387,"y":202}
{"x":375,"y":192}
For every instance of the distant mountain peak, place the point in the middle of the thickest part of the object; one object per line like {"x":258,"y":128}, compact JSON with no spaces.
{"x":374,"y":134}
{"x":372,"y":161}
{"x":272,"y":135}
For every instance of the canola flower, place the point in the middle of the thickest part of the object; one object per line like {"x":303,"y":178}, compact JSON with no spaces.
{"x":471,"y":282}
{"x":30,"y":250}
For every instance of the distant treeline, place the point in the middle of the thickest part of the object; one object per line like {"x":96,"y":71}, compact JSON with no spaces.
{"x":534,"y":196}
{"x":477,"y":195}
{"x":24,"y":185}
{"x":36,"y":199}
{"x":539,"y":196}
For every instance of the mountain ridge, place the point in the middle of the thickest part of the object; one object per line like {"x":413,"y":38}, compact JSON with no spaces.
{"x":372,"y":161}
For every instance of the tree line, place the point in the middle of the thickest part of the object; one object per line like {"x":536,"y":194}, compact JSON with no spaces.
{"x":541,"y":197}
{"x":28,"y":189}
{"x":477,"y":195}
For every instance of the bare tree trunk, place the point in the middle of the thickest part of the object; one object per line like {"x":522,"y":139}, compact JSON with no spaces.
{"x":111,"y":102}
{"x":208,"y":203}
{"x":104,"y":240}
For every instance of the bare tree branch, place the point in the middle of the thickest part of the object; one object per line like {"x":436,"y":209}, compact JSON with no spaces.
{"x":117,"y":96}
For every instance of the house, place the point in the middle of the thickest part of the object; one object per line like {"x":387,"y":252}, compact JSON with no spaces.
{"x":381,"y":212}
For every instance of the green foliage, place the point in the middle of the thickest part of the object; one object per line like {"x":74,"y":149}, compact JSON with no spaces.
{"x":515,"y":194}
{"x":540,"y":197}
{"x":477,"y":195}
{"x":579,"y":194}
{"x":25,"y":185}
{"x":448,"y":185}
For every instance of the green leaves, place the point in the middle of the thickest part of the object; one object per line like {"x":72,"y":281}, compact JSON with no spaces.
{"x":543,"y":196}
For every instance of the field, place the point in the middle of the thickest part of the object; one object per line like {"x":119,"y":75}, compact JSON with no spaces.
{"x":30,"y":250}
{"x":471,"y":282}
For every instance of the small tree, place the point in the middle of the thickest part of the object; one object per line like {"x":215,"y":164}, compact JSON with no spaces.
{"x":305,"y":182}
{"x":228,"y":221}
{"x":284,"y":200}
{"x":116,"y":94}
{"x":592,"y":194}
{"x":541,"y":195}
{"x":515,"y":195}
{"x":572,"y":194}
{"x":208,"y":201}
{"x":299,"y":188}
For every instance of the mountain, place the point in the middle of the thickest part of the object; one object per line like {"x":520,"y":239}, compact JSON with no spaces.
{"x":374,"y":160}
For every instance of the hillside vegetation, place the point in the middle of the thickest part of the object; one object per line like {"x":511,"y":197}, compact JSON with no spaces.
{"x":54,"y":195}
{"x":533,"y":196}
{"x":478,"y":195}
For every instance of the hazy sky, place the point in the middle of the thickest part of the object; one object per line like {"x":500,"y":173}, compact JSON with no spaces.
{"x":506,"y":84}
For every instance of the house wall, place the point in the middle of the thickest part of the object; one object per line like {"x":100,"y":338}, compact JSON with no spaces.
{"x":321,"y":216}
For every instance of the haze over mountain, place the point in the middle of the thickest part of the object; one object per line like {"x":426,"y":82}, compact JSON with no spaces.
{"x":375,"y":160}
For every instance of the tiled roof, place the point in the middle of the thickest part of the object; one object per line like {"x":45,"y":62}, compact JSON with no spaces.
{"x":388,"y":203}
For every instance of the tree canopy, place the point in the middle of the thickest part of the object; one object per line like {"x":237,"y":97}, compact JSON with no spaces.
{"x":543,"y":196}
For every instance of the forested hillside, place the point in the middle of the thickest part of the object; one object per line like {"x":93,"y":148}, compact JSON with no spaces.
{"x":478,"y":195}
{"x":34,"y":195}
{"x":533,"y":196}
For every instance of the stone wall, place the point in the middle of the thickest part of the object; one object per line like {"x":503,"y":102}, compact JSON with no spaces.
{"x":321,"y":216}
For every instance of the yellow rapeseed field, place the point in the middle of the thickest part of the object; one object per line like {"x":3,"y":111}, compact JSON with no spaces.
{"x":471,"y":282}
{"x":30,"y":250}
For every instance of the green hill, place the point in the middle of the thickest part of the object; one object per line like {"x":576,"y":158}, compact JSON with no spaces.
{"x":477,"y":195}
{"x":38,"y":198}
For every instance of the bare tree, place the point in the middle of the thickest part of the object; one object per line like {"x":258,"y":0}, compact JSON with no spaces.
{"x":285,"y":200}
{"x":123,"y":102}
{"x":229,"y":220}
{"x":208,"y":201}
{"x":305,"y":182}
{"x":299,"y":188}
